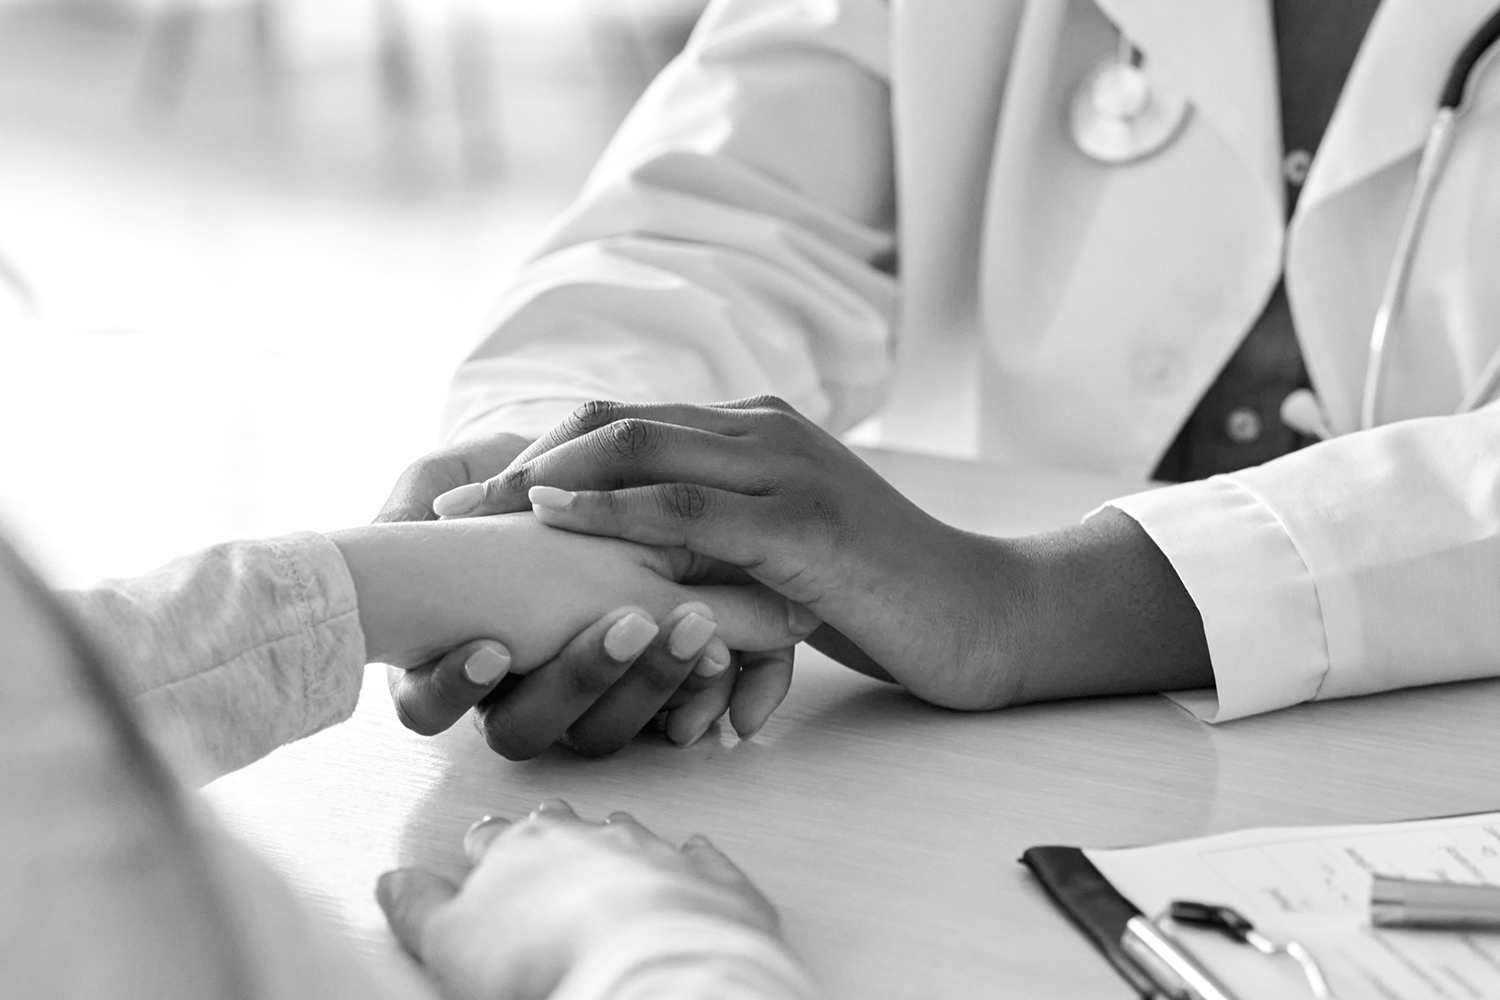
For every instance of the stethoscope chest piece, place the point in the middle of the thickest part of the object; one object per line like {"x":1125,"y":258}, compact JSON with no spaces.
{"x":1119,"y":114}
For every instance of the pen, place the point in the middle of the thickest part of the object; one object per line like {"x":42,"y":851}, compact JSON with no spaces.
{"x":1404,"y":902}
{"x":1178,"y":974}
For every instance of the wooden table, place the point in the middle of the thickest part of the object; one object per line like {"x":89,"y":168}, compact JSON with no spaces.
{"x":887,"y":830}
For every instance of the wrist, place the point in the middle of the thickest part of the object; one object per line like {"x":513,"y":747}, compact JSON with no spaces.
{"x":398,"y":575}
{"x":949,"y":615}
{"x":1105,"y":613}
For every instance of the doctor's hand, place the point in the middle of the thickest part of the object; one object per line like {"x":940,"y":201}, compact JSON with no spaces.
{"x":546,"y":892}
{"x":961,"y":620}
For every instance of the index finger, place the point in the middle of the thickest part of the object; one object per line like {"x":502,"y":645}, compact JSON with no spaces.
{"x":599,"y":413}
{"x":608,"y":445}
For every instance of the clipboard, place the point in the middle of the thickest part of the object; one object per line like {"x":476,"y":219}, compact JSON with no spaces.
{"x":1309,"y":885}
{"x":1094,"y":906}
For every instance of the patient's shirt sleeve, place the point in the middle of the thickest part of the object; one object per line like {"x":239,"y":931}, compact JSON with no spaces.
{"x":240,"y":648}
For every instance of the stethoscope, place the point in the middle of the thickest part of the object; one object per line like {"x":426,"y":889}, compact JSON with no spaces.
{"x":1118,"y":115}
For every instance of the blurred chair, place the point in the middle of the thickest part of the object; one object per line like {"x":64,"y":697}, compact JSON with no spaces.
{"x":173,"y":32}
{"x":175,"y":29}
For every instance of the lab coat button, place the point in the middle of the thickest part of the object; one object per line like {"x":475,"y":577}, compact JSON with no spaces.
{"x":1295,"y":165}
{"x":1243,"y":425}
{"x":1155,"y":367}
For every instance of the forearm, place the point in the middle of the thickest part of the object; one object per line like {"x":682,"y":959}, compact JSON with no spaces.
{"x":1102,"y":612}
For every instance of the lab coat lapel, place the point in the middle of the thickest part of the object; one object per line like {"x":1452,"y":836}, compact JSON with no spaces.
{"x":1341,"y":242}
{"x":1223,"y":56}
{"x":1391,"y":96}
{"x":1112,"y":295}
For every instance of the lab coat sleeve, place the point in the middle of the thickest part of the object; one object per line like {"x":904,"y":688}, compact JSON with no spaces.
{"x":1362,"y":564}
{"x":237,"y":649}
{"x":686,"y":956}
{"x":737,"y":237}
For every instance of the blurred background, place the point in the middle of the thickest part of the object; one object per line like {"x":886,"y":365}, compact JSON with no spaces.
{"x":244,"y":243}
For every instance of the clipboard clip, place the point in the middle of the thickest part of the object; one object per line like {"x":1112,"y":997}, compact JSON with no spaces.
{"x":1235,"y":926}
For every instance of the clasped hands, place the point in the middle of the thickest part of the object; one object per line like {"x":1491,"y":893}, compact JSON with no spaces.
{"x":748,"y":492}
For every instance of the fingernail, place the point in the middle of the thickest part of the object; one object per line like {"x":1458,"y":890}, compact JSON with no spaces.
{"x":486,"y":665}
{"x":709,"y":664}
{"x":691,"y":635}
{"x":628,"y":636}
{"x":550,"y":497}
{"x":800,"y":619}
{"x":459,"y":500}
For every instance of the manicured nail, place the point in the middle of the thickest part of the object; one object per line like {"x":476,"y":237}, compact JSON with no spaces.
{"x":550,"y":497}
{"x":628,"y":636}
{"x":486,"y":665}
{"x":800,"y":619}
{"x":710,"y":664}
{"x":459,"y":500}
{"x":691,"y":635}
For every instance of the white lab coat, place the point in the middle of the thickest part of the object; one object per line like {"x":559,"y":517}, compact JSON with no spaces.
{"x":745,"y":232}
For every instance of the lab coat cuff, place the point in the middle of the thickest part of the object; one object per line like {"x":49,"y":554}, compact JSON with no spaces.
{"x":1253,"y":589}
{"x":686,"y":955}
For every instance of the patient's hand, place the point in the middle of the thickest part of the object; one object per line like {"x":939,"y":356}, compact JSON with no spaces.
{"x":428,"y":587}
{"x":547,"y":890}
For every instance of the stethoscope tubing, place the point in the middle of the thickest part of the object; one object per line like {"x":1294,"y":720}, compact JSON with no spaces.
{"x":1434,"y":155}
{"x":1451,"y":104}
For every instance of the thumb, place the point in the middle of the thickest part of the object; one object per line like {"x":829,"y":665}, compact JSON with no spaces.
{"x":410,"y":897}
{"x":434,"y":696}
{"x":435,"y":474}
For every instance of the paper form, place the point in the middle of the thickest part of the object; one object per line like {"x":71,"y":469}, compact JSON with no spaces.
{"x":1312,"y":884}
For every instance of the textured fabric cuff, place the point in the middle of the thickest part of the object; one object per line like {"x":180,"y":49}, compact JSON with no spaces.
{"x":335,"y":639}
{"x":237,"y":649}
{"x":686,"y":956}
{"x":1253,"y":590}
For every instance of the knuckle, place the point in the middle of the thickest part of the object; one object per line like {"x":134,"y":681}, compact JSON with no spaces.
{"x":629,"y":439}
{"x":510,"y":483}
{"x":684,"y":501}
{"x":764,"y":486}
{"x":594,"y":414}
{"x":764,"y":401}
